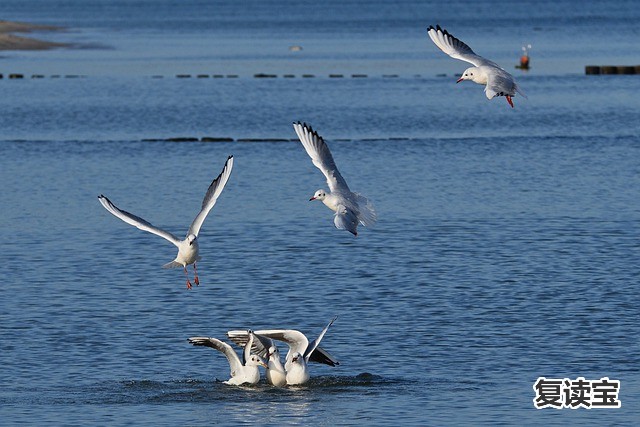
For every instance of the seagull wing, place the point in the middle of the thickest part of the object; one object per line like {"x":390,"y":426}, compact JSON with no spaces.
{"x":456,"y":48}
{"x":136,"y":221}
{"x":296,"y":340}
{"x":260,"y":345}
{"x":320,"y":355}
{"x":346,"y":219}
{"x":319,"y":152}
{"x":214,"y":191}
{"x":500,"y":83}
{"x":316,"y":342}
{"x":234,"y":361}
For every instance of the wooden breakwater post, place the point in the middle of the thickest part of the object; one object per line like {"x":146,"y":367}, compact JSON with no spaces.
{"x":612,"y":69}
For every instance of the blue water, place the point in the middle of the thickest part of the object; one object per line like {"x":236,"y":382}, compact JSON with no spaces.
{"x":507,"y":242}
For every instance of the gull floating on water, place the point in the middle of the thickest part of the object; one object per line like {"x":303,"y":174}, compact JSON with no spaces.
{"x":350,"y":208}
{"x":188,"y":249}
{"x":496,"y":80}
{"x":242,"y":372}
{"x":300,"y":353}
{"x":276,"y":375}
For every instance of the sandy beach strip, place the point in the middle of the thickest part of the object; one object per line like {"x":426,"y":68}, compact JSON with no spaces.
{"x":9,"y":41}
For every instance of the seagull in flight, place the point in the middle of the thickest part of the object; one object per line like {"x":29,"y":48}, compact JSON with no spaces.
{"x":300,"y":353}
{"x":243,"y":371}
{"x":350,"y":208}
{"x":188,"y":249}
{"x":496,"y":80}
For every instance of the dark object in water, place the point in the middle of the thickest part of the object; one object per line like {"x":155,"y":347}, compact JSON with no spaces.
{"x":612,"y":69}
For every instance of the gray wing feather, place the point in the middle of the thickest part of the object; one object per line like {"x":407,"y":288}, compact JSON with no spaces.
{"x":320,"y":355}
{"x":260,"y":345}
{"x":319,"y":152}
{"x":214,"y":191}
{"x":312,"y":346}
{"x":136,"y":221}
{"x":346,"y":219}
{"x":500,"y":83}
{"x":296,"y":340}
{"x":232,"y":357}
{"x":455,"y":47}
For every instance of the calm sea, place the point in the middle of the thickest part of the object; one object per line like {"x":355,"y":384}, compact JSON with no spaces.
{"x":507,"y":246}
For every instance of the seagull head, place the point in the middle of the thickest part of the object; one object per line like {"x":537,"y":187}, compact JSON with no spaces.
{"x":471,"y":73}
{"x":273,"y":351}
{"x":256,"y":360}
{"x":191,"y":238}
{"x":319,"y":195}
{"x":296,"y":357}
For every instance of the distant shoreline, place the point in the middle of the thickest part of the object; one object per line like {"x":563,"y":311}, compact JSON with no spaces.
{"x":9,"y":41}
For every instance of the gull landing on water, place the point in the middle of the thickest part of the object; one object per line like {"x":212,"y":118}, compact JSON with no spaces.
{"x":350,"y":208}
{"x":188,"y":249}
{"x":301,"y":352}
{"x":243,"y":371}
{"x":496,"y":80}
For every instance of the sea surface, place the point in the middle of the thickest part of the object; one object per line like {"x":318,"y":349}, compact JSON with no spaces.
{"x":508,"y":240}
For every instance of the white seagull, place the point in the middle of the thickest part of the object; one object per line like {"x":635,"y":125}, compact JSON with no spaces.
{"x":496,"y":80}
{"x":300,"y":353}
{"x":276,"y":375}
{"x":350,"y":208}
{"x":242,"y":372}
{"x":188,"y":249}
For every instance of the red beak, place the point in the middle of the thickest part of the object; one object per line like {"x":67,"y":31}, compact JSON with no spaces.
{"x":459,"y":80}
{"x":313,"y":198}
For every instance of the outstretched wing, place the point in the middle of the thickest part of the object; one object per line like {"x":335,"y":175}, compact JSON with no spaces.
{"x":234,"y":361}
{"x":214,"y":191}
{"x":260,"y":345}
{"x":500,"y":84}
{"x":320,"y":355}
{"x":456,"y":48}
{"x":136,"y":221}
{"x":346,"y":219}
{"x":296,"y":340}
{"x":314,"y":344}
{"x":319,"y":152}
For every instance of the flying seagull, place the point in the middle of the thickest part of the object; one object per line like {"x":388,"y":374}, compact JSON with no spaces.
{"x":496,"y":80}
{"x":350,"y":208}
{"x":188,"y":249}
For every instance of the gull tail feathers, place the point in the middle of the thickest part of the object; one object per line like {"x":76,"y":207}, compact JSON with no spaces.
{"x":520,"y":91}
{"x":367,"y":215}
{"x":172,"y":264}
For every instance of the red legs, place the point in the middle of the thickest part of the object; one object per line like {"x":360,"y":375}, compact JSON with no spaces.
{"x":187,"y":274}
{"x":195,"y":273}
{"x":509,"y":100}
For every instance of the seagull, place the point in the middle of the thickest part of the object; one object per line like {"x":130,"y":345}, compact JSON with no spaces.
{"x":188,"y":249}
{"x":498,"y":82}
{"x":350,"y":208}
{"x":242,"y":372}
{"x":300,"y":350}
{"x":276,"y":375}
